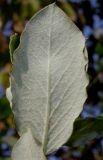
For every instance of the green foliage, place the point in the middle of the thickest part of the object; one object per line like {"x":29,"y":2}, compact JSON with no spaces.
{"x":5,"y":109}
{"x":4,"y":79}
{"x":85,"y":130}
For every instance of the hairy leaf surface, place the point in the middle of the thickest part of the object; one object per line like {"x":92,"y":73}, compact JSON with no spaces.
{"x":27,"y":148}
{"x":48,"y":78}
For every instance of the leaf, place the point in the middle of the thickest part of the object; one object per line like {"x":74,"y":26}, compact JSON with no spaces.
{"x":14,"y":42}
{"x":86,"y":129}
{"x":48,"y":78}
{"x":27,"y":148}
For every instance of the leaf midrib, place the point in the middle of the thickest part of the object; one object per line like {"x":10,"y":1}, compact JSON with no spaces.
{"x":45,"y":140}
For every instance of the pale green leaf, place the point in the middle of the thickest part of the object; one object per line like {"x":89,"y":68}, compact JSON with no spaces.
{"x":48,"y":78}
{"x":27,"y":148}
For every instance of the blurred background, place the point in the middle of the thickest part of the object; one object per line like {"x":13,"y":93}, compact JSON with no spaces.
{"x":86,"y":142}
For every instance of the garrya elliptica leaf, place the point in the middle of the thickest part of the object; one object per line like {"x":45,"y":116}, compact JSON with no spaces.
{"x":48,"y":82}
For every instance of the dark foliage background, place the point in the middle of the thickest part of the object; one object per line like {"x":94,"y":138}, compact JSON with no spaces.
{"x":86,"y":142}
